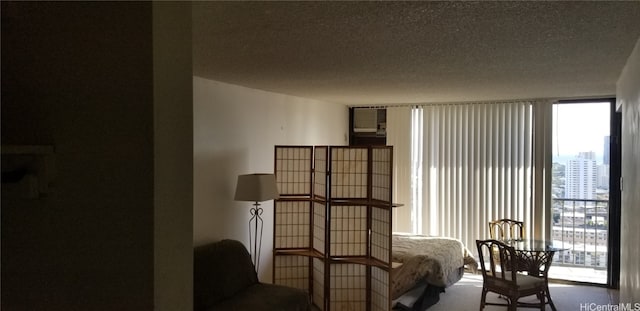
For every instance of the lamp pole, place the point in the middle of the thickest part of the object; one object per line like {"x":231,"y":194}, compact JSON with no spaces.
{"x":256,"y":246}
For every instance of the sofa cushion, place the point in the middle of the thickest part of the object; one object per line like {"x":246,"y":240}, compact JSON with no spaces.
{"x":261,"y":296}
{"x":221,"y":270}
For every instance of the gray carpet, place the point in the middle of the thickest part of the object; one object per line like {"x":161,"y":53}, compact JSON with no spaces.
{"x":465,"y":295}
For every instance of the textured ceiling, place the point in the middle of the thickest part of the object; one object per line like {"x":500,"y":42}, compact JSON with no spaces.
{"x":366,"y":53}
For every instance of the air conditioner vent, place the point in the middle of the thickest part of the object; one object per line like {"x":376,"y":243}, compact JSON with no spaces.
{"x":365,"y":120}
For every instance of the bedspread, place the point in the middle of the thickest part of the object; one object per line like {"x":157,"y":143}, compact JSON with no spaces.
{"x":437,"y":260}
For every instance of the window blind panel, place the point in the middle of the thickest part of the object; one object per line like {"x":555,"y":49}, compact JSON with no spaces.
{"x":475,"y":166}
{"x":417,"y":181}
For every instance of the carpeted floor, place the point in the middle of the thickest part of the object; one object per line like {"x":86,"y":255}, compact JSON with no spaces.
{"x":465,"y":295}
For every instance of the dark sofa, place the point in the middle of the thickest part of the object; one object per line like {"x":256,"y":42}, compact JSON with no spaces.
{"x":225,"y":279}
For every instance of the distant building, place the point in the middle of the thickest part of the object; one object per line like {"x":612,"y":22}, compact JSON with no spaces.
{"x":575,"y":235}
{"x":605,"y":158}
{"x":603,"y":176}
{"x":581,"y":176}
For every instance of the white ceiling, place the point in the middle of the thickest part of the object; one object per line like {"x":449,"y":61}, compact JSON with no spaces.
{"x":367,"y":53}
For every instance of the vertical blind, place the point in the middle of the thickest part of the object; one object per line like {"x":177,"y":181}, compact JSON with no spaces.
{"x":470,"y":164}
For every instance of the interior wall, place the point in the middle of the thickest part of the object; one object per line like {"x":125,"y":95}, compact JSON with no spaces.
{"x":235,"y":130}
{"x":628,"y":99}
{"x":78,"y":76}
{"x":173,"y":156}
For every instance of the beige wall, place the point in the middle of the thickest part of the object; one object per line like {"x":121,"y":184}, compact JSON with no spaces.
{"x":173,"y":156}
{"x":235,"y":131}
{"x":80,"y":77}
{"x":628,"y":98}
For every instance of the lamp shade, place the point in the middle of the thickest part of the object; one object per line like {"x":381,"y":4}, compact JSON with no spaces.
{"x":256,"y":188}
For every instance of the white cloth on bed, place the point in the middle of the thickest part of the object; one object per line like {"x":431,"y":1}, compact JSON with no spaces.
{"x":438,"y":260}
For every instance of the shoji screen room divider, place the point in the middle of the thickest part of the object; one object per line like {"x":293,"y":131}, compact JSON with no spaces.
{"x":332,"y":226}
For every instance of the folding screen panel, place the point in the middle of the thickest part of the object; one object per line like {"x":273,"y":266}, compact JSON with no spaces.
{"x":332,"y":224}
{"x":319,"y":289}
{"x":380,"y":212}
{"x":319,"y":223}
{"x":292,"y":271}
{"x":293,"y":170}
{"x":349,"y":172}
{"x":292,"y":225}
{"x":381,"y":180}
{"x":380,"y":287}
{"x":321,"y":233}
{"x":348,"y":231}
{"x":348,"y":290}
{"x":293,"y":222}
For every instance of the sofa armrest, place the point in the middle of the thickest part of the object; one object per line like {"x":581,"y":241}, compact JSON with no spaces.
{"x":221,"y":270}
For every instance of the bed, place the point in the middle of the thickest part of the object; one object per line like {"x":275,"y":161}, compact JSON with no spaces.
{"x":438,"y":262}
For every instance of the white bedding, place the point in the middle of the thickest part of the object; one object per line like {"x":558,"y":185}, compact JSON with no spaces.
{"x":438,"y":260}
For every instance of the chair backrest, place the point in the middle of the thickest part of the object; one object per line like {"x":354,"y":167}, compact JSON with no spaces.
{"x":506,"y":229}
{"x":498,"y":271}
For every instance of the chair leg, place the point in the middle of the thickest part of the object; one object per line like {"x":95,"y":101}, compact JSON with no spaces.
{"x":513,"y":303}
{"x":548,"y":294}
{"x":483,"y":299}
{"x":541,"y":297}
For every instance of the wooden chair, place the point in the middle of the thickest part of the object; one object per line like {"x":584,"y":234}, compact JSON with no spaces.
{"x":506,"y":229}
{"x":507,"y":283}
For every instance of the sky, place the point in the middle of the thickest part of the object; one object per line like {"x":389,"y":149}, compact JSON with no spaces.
{"x":579,"y":128}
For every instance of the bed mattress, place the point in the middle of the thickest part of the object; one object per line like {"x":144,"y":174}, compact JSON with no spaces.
{"x":437,"y":260}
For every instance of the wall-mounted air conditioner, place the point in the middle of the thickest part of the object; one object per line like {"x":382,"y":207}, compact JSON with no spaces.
{"x":365,"y":120}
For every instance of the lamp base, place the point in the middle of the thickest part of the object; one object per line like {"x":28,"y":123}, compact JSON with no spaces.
{"x":255,"y":234}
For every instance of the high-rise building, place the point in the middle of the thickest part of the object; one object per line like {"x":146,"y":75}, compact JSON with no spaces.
{"x":605,"y":154}
{"x":581,"y":176}
{"x":603,"y":176}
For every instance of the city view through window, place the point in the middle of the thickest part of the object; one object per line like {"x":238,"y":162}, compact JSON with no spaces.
{"x":580,"y":186}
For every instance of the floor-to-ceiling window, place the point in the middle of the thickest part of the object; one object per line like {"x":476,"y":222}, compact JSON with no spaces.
{"x":580,"y":189}
{"x":476,"y":162}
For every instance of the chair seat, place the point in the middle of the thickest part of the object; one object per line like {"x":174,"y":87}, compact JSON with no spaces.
{"x":524,"y":282}
{"x":527,"y":281}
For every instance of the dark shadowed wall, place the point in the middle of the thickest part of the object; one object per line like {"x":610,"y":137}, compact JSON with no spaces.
{"x":79,"y":77}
